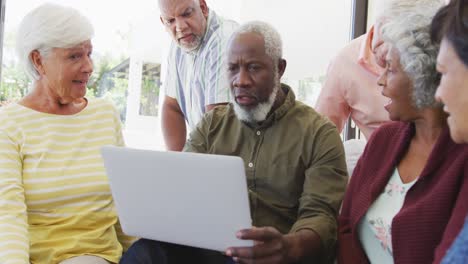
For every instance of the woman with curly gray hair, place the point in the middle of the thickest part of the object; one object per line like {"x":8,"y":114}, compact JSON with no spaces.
{"x":406,"y":199}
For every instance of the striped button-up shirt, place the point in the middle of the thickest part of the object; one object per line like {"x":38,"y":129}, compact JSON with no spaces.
{"x":198,"y":79}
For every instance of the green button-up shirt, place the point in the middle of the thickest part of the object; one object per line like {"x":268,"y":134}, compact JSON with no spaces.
{"x":294,"y":162}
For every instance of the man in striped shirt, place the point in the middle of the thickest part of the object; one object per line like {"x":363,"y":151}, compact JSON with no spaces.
{"x":195,"y":81}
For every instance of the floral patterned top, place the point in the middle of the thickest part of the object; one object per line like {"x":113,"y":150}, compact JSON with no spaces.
{"x":375,"y":228}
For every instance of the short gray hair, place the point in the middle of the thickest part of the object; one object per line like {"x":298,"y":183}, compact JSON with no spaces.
{"x":409,"y":34}
{"x":271,"y":37}
{"x":50,"y":26}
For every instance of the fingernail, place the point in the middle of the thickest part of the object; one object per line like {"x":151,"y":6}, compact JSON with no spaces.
{"x":239,"y":234}
{"x":229,"y":252}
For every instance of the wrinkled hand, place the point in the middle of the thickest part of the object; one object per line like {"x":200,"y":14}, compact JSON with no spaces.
{"x":270,"y":247}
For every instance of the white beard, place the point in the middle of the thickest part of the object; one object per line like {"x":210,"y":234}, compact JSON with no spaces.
{"x":258,"y":113}
{"x":192,"y":47}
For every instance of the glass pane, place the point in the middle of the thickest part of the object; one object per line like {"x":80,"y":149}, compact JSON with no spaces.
{"x":151,"y":83}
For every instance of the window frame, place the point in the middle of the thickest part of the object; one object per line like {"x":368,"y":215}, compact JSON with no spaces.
{"x":359,"y":18}
{"x":358,"y":28}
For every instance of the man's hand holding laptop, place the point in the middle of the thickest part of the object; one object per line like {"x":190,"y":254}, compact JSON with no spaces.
{"x":271,"y":246}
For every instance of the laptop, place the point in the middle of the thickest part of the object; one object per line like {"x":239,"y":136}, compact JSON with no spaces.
{"x":198,"y":200}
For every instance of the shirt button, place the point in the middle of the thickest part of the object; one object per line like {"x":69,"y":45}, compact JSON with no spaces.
{"x":259,"y":133}
{"x":250,"y":165}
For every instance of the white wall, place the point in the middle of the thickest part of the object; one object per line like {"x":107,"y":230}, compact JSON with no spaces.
{"x":312,"y":31}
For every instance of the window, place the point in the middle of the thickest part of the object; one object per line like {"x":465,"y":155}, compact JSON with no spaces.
{"x":361,"y":14}
{"x":130,"y":46}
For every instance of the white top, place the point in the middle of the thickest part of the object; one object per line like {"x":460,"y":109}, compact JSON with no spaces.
{"x":375,"y":228}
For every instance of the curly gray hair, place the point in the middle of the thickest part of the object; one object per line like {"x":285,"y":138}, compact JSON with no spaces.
{"x":409,"y":33}
{"x":393,"y":8}
{"x":273,"y":43}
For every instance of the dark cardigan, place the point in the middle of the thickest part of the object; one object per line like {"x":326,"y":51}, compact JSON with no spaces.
{"x":434,"y":209}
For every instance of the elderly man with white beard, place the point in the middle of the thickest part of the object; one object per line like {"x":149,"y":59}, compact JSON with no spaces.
{"x":294,"y":158}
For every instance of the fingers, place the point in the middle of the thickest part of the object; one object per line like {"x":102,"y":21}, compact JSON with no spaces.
{"x":258,"y":251}
{"x":259,"y":234}
{"x":268,"y":248}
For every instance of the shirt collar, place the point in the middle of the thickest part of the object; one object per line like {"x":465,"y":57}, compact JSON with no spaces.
{"x":366,"y":58}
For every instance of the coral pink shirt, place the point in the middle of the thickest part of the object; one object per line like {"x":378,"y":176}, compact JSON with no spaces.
{"x":351,"y":89}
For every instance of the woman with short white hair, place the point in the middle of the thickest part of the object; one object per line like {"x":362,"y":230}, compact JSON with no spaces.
{"x":406,"y":200}
{"x":55,"y":201}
